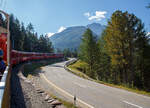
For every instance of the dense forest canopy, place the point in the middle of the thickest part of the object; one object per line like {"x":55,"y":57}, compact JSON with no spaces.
{"x":25,"y":38}
{"x":121,"y":55}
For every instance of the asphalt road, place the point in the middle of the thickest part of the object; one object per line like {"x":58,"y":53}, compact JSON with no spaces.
{"x":91,"y":93}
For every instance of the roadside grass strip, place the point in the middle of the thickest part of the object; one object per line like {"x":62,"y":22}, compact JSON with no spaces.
{"x":74,"y":68}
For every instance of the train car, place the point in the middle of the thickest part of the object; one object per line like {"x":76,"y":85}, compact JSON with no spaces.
{"x":14,"y":57}
{"x":3,"y":45}
{"x":20,"y":56}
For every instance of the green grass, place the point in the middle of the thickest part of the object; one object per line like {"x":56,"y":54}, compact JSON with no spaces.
{"x":65,"y":103}
{"x":77,"y":69}
{"x":29,"y":69}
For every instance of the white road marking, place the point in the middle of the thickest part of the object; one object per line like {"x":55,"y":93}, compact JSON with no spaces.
{"x":83,"y":86}
{"x":132,"y":104}
{"x":61,"y":90}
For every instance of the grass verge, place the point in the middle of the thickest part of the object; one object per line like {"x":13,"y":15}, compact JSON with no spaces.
{"x":65,"y":103}
{"x":77,"y":68}
{"x":29,"y":68}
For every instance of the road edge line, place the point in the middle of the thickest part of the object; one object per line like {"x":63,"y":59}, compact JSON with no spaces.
{"x":61,"y":90}
{"x":129,"y":103}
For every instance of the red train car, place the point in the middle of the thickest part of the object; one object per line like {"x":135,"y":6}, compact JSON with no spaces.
{"x":3,"y":45}
{"x":20,"y":56}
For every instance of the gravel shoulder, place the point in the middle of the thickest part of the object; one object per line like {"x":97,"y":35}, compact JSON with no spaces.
{"x":28,"y":93}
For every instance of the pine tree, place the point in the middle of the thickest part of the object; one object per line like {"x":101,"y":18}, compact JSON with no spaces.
{"x":2,"y":21}
{"x":103,"y":72}
{"x":121,"y":34}
{"x":88,"y":52}
{"x":25,"y":39}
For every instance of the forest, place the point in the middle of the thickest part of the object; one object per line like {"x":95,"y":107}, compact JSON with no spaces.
{"x":121,"y":56}
{"x":25,"y":38}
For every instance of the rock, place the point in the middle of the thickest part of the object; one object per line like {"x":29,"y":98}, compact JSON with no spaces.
{"x":56,"y":102}
{"x":40,"y":92}
{"x":38,"y":89}
{"x":47,"y":97}
{"x":24,"y":92}
{"x":50,"y":100}
{"x":33,"y":84}
{"x":27,"y":81}
{"x":43,"y":94}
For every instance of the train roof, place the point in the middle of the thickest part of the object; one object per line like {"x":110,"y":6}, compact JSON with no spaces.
{"x":30,"y":52}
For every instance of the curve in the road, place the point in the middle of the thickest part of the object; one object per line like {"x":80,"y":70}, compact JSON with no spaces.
{"x":68,"y":94}
{"x":89,"y":93}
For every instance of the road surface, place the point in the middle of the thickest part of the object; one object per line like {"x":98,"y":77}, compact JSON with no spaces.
{"x":89,"y":93}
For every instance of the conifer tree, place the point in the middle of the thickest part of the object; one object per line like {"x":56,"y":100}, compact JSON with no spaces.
{"x":103,"y":72}
{"x":88,"y":52}
{"x":26,"y":39}
{"x":121,"y":34}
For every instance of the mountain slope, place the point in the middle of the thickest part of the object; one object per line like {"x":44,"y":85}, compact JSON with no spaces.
{"x":96,"y":28}
{"x":71,"y":36}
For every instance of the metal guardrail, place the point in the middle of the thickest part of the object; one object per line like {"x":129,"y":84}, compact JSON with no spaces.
{"x":5,"y":89}
{"x":71,"y":61}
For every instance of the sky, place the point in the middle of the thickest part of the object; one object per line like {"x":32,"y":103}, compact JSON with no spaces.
{"x":53,"y":16}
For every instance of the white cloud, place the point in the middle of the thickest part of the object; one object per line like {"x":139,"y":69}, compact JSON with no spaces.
{"x":99,"y":15}
{"x":50,"y":34}
{"x":87,"y":14}
{"x":61,"y":29}
{"x":148,"y":33}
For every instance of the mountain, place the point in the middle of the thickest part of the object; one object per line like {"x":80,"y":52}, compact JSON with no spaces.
{"x":96,"y":28}
{"x":71,"y":36}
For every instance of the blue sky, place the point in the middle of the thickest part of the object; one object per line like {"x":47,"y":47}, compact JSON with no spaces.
{"x":48,"y":16}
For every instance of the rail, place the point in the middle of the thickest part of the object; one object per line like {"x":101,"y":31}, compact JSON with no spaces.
{"x":5,"y":89}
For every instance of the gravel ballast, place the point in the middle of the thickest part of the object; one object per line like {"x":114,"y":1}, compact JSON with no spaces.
{"x":27,"y":93}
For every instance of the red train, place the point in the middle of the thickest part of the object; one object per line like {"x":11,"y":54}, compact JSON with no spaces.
{"x":3,"y":44}
{"x":19,"y":56}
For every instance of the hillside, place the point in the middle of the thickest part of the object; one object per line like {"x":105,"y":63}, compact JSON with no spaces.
{"x":71,"y":36}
